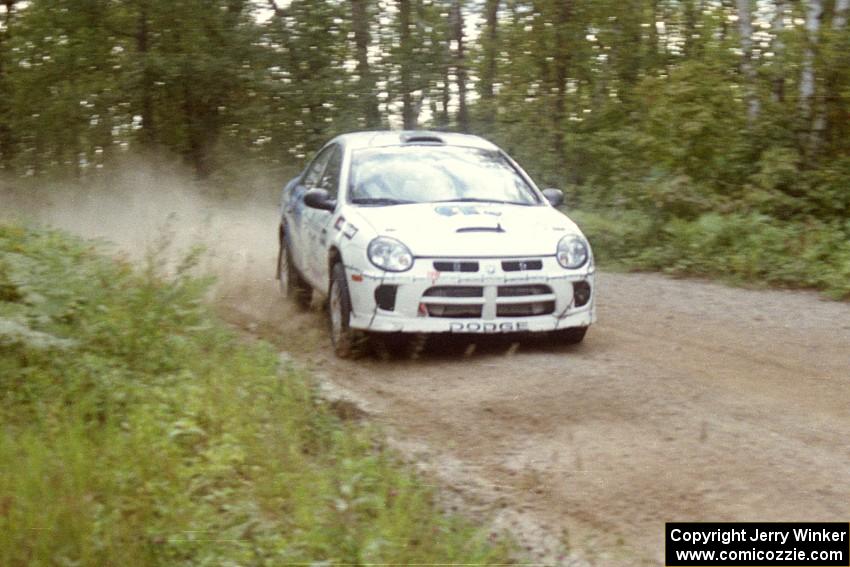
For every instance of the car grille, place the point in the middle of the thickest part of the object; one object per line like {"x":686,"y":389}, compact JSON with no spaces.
{"x":459,"y":266}
{"x":453,"y":311}
{"x":522,"y":265}
{"x":471,"y":266}
{"x":523,"y":290}
{"x":525,"y":309}
{"x":469,"y":301}
{"x":455,"y":291}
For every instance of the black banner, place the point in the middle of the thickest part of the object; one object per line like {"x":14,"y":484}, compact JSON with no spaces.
{"x":762,"y":544}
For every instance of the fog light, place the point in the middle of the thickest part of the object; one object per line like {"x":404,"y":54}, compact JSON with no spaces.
{"x":581,"y":293}
{"x":385,"y":297}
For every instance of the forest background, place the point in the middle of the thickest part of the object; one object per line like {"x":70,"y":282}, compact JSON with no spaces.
{"x":706,"y":137}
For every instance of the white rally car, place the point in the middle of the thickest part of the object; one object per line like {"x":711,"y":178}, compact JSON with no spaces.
{"x":426,"y":232}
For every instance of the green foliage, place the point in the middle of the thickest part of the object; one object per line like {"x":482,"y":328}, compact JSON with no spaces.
{"x":663,"y":109}
{"x":138,"y":430}
{"x":751,"y":248}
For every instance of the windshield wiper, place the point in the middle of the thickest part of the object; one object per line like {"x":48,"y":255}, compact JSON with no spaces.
{"x":379,"y":201}
{"x":479,"y":200}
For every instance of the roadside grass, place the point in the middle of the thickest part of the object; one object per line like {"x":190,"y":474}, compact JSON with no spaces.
{"x":139,"y":430}
{"x":752,"y":249}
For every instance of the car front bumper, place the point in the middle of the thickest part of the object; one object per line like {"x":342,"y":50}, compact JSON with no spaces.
{"x":489,"y":300}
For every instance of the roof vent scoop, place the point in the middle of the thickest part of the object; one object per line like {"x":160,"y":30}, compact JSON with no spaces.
{"x":421,"y":138}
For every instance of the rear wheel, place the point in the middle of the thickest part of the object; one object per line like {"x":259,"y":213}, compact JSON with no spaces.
{"x":347,"y":342}
{"x":292,"y":285}
{"x":570,"y":336}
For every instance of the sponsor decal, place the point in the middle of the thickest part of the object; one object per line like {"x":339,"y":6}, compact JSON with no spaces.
{"x":466,"y":210}
{"x":348,"y":229}
{"x":488,"y":327}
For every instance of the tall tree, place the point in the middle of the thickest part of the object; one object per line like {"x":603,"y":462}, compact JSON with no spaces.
{"x":562,"y":57}
{"x":7,"y":134}
{"x":409,"y":114}
{"x":460,"y":65}
{"x":146,"y":82}
{"x":842,"y":10}
{"x":745,"y":29}
{"x":831,"y":75}
{"x":366,"y":88}
{"x":778,"y":92}
{"x":490,"y":49}
{"x":814,"y":12}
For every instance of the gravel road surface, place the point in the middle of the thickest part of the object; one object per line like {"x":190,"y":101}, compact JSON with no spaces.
{"x":688,"y":401}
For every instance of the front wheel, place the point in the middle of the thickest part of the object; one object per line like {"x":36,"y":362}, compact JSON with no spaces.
{"x":347,"y":342}
{"x":570,"y":336}
{"x":292,"y":285}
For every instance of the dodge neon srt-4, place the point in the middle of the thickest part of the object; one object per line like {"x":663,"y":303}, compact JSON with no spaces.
{"x":425,"y":232}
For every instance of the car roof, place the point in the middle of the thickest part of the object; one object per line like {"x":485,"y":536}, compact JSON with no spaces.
{"x":382,"y":138}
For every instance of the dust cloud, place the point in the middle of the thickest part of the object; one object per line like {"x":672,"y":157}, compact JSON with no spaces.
{"x":144,"y":210}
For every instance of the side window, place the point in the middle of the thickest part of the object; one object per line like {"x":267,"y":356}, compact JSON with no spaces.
{"x":314,"y":172}
{"x":330,"y":179}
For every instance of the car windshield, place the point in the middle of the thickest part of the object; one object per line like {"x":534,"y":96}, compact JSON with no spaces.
{"x":428,"y":174}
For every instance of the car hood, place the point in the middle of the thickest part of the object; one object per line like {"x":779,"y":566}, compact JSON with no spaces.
{"x":471,"y":229}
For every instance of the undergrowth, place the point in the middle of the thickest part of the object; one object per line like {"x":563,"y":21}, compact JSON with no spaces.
{"x":739,"y":248}
{"x":138,"y":430}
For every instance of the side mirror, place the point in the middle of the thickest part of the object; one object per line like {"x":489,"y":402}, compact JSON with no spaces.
{"x":554,"y":196}
{"x":319,"y":199}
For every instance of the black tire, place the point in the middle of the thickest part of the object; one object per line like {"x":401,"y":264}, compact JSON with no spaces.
{"x":292,"y":285}
{"x":347,"y":342}
{"x":570,"y":336}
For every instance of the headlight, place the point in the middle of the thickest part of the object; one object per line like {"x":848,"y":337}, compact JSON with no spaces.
{"x":572,"y":252}
{"x":390,"y":254}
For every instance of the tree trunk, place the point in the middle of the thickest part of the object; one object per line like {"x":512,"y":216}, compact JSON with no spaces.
{"x":819,"y":125}
{"x":446,"y":97}
{"x":460,"y":67}
{"x":745,"y":28}
{"x":143,"y":47}
{"x":652,"y":55}
{"x":406,"y":48}
{"x":692,"y":46}
{"x":490,"y":48}
{"x":814,"y":12}
{"x":724,"y":23}
{"x":839,"y":19}
{"x":778,"y":93}
{"x":366,"y":82}
{"x":562,"y":61}
{"x":7,"y":137}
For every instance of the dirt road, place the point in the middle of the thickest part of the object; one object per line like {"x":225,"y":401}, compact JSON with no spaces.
{"x":688,"y":401}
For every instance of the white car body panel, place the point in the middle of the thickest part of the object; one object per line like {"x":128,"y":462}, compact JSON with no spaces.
{"x":456,"y":235}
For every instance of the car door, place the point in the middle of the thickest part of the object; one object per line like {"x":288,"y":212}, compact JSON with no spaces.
{"x":318,"y":222}
{"x":298,"y":225}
